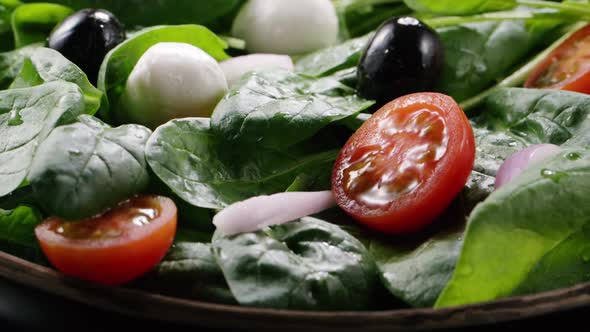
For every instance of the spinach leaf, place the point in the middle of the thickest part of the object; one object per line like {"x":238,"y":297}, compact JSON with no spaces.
{"x":38,"y":65}
{"x":307,"y":264}
{"x":331,"y":59}
{"x":32,"y":23}
{"x":278,"y":108}
{"x":358,"y":17}
{"x":27,"y":116}
{"x":190,"y":270}
{"x":514,"y":118}
{"x":563,"y":266}
{"x":463,"y":7}
{"x":541,"y":210}
{"x":207,"y":172}
{"x":84,"y":168}
{"x":480,"y":54}
{"x":17,"y":233}
{"x":120,"y":61}
{"x":413,"y":268}
{"x":153,"y":12}
{"x":21,"y":196}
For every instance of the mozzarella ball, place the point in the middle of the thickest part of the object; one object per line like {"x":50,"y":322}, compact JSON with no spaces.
{"x":235,"y":68}
{"x":172,"y":80}
{"x":287,"y":26}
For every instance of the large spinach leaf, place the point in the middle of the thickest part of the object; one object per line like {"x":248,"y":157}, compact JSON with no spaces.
{"x":32,"y":23}
{"x":120,"y":61}
{"x":415,"y":268}
{"x":539,"y":212}
{"x":27,"y":116}
{"x":563,"y":266}
{"x":207,"y":172}
{"x":190,"y":270}
{"x":278,"y":109}
{"x":17,"y":233}
{"x":32,"y":66}
{"x":85,"y":168}
{"x":514,"y":118}
{"x":306,"y":264}
{"x":480,"y":54}
{"x":153,"y":12}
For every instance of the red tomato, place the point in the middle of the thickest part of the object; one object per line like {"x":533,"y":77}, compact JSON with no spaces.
{"x":567,"y":67}
{"x":406,"y":164}
{"x":113,"y":248}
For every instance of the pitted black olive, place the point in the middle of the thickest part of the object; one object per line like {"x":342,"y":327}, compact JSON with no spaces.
{"x":404,"y":56}
{"x":85,"y":38}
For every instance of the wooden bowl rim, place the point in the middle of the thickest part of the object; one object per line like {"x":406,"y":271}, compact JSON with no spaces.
{"x":142,"y":304}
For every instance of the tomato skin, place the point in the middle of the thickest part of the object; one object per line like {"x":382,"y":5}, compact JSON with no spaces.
{"x":578,"y":81}
{"x":116,"y":260}
{"x":439,"y":181}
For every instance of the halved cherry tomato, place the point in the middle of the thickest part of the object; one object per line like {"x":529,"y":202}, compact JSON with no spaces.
{"x":113,"y":248}
{"x":406,"y":164}
{"x":567,"y":67}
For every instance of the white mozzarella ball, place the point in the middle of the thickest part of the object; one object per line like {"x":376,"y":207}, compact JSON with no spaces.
{"x":235,"y":68}
{"x":173,"y":80}
{"x":287,"y":26}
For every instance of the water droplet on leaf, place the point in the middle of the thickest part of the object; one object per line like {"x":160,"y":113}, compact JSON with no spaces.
{"x":573,"y":156}
{"x":555,"y":176}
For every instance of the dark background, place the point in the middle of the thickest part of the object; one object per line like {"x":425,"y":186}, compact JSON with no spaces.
{"x":23,"y":309}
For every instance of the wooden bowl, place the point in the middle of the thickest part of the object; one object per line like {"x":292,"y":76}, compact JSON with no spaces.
{"x":142,"y":304}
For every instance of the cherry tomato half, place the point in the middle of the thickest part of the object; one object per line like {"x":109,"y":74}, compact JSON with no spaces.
{"x":406,"y":164}
{"x":113,"y":248}
{"x":567,"y":67}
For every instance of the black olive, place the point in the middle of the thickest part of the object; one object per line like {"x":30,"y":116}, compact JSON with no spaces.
{"x":404,"y":56}
{"x":85,"y":38}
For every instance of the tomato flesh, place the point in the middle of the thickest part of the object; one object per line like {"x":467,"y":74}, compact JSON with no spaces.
{"x":567,"y":67}
{"x":113,"y":248}
{"x":406,"y":164}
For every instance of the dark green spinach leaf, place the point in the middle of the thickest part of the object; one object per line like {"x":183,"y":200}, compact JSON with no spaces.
{"x":17,"y":233}
{"x":480,"y":54}
{"x":308,"y":264}
{"x":84,"y":168}
{"x":541,"y":211}
{"x":27,"y":116}
{"x":207,"y":172}
{"x":32,"y":66}
{"x":329,"y":60}
{"x":190,"y":270}
{"x":514,"y":118}
{"x":278,"y":109}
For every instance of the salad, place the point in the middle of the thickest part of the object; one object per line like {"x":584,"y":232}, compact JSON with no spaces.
{"x":308,"y":155}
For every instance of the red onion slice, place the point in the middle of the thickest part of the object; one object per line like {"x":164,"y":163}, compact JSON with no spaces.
{"x":258,"y":212}
{"x":236,"y":67}
{"x":519,"y":161}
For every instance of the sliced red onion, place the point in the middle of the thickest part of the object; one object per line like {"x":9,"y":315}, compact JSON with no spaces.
{"x":258,"y":212}
{"x":519,"y":161}
{"x":236,"y":67}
